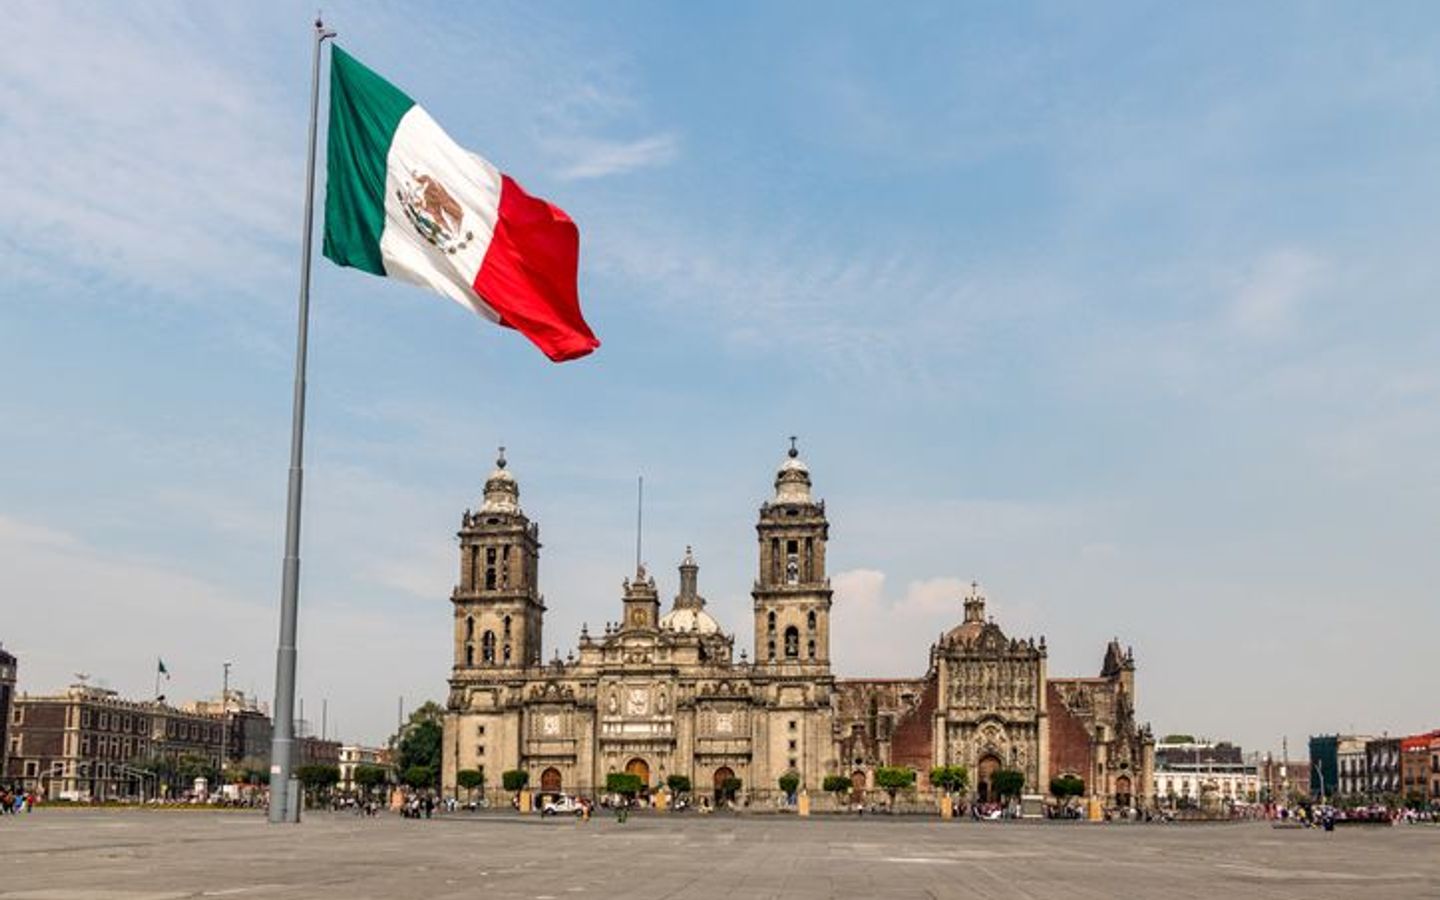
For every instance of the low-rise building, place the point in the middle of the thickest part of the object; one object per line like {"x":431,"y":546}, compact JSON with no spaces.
{"x":1416,"y":763}
{"x":8,"y":667}
{"x":1284,"y":781}
{"x":1351,"y":766}
{"x":90,"y":744}
{"x":1187,"y":770}
{"x":353,"y":756}
{"x":315,"y":751}
{"x":250,"y":728}
{"x":1435,"y":767}
{"x":1324,"y":766}
{"x":1382,"y":763}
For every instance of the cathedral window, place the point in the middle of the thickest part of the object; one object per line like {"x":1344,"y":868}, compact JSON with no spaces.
{"x":469,"y":654}
{"x":487,"y":647}
{"x":811,"y":649}
{"x":792,"y":642}
{"x":809,"y":559}
{"x":507,"y":626}
{"x":489,"y":578}
{"x":774,"y":559}
{"x":770,"y":621}
{"x":772,"y":649}
{"x":507,"y":654}
{"x":469,"y":628}
{"x":810,"y":620}
{"x":792,"y":562}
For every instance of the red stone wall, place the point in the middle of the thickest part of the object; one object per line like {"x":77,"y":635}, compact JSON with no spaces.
{"x":914,"y":741}
{"x":1069,"y":741}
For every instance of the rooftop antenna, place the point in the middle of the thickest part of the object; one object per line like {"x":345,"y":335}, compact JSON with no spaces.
{"x":639,"y":517}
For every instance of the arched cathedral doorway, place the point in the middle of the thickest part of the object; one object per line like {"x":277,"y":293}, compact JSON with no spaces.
{"x":984,"y":777}
{"x":723,"y":775}
{"x":550,"y":781}
{"x":640,"y":767}
{"x":1123,"y":797}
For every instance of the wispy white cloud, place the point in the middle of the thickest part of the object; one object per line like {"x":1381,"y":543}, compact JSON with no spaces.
{"x":1269,"y":297}
{"x":129,"y":152}
{"x":122,"y":612}
{"x":597,"y":158}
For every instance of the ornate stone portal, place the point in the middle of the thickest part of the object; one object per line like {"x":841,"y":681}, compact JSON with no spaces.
{"x":659,"y":695}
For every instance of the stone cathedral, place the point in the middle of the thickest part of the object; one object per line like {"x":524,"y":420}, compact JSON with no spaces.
{"x":662,"y":692}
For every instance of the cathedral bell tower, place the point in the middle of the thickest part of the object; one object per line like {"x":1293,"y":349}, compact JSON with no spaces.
{"x":499,"y":612}
{"x":792,"y":594}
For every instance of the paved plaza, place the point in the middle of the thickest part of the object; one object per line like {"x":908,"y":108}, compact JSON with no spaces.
{"x":147,"y":855}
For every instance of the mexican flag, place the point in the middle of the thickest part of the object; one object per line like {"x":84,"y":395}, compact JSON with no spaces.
{"x":404,"y":200}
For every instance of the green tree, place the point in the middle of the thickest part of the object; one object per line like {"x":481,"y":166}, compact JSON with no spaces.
{"x":730,"y":787}
{"x":1178,"y":739}
{"x":1008,"y":783}
{"x":789,"y":782}
{"x":680,"y":784}
{"x":418,"y":741}
{"x":368,"y":777}
{"x":951,"y":779}
{"x":162,"y":769}
{"x":514,"y":781}
{"x":839,"y":785}
{"x":626,"y":784}
{"x":191,"y":766}
{"x":252,"y":769}
{"x":470,"y":780}
{"x":419,"y":777}
{"x":1067,"y":786}
{"x":895,"y":779}
{"x":317,"y":779}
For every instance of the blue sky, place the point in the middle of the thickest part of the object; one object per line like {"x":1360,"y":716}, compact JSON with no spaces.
{"x":1128,"y":313}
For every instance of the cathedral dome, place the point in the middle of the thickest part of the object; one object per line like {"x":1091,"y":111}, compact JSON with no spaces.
{"x":687,"y":619}
{"x":792,"y":481}
{"x":502,"y":491}
{"x":968,"y":630}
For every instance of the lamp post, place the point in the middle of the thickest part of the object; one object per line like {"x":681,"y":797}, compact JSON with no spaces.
{"x":224,"y":724}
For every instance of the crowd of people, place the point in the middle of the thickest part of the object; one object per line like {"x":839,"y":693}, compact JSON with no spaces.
{"x":14,"y":802}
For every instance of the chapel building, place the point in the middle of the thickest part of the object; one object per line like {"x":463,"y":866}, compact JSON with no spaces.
{"x":661,"y":692}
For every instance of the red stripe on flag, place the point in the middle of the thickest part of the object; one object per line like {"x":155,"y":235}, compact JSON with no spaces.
{"x":529,"y":274}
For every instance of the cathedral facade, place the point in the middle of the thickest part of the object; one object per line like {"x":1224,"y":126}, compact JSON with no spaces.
{"x":662,"y":693}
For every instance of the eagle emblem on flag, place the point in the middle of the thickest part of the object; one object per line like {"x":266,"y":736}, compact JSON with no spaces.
{"x":434,"y":213}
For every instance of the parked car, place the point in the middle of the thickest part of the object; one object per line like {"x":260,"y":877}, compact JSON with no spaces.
{"x":563,"y":805}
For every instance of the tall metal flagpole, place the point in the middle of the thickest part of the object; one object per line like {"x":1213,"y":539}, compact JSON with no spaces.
{"x":284,"y":794}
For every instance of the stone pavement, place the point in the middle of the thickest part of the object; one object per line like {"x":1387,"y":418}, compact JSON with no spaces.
{"x":156,"y":855}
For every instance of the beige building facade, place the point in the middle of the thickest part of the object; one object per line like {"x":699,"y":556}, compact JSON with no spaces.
{"x":661,"y":692}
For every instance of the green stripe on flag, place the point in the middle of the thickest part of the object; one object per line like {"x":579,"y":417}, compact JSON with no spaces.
{"x":365,"y":110}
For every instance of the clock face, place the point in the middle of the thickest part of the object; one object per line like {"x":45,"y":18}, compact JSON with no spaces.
{"x":550,"y":725}
{"x":636,"y":702}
